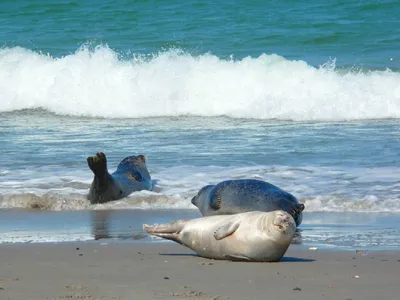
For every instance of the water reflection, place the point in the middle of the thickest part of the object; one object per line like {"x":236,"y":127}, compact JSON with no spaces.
{"x":101,"y":224}
{"x":118,"y":224}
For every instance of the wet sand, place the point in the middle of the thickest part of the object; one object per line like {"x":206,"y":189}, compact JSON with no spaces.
{"x":101,"y":270}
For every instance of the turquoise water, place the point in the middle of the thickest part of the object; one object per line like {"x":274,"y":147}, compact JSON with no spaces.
{"x":360,"y":33}
{"x":303,"y":95}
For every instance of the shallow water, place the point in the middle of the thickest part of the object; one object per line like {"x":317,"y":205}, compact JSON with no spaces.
{"x":341,"y":231}
{"x":340,"y":166}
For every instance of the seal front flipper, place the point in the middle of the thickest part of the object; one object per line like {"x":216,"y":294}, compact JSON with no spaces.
{"x":237,"y":257}
{"x":226,"y":230}
{"x":98,"y":164}
{"x":216,"y":200}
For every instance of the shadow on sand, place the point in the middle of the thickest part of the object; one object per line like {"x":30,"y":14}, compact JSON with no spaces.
{"x":296,"y":259}
{"x":284,"y":259}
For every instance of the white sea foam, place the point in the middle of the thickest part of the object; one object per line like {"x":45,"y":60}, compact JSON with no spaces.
{"x":43,"y":237}
{"x":319,"y":188}
{"x":99,"y":83}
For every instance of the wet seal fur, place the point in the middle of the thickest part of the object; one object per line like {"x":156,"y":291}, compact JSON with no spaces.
{"x":243,"y":195}
{"x":131,"y":176}
{"x":251,"y":236}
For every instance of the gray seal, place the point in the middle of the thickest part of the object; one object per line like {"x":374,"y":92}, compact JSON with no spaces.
{"x":131,"y":176}
{"x":251,"y":236}
{"x":236,"y":196}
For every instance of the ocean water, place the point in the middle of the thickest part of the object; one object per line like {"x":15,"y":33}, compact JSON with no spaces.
{"x":303,"y":95}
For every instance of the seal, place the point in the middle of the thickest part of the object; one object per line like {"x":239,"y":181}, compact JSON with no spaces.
{"x":236,"y":196}
{"x":131,"y":176}
{"x":251,"y":236}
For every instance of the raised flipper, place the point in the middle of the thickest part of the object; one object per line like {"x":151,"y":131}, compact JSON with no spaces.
{"x":101,"y":189}
{"x":169,"y":231}
{"x":98,"y":164}
{"x":226,"y":230}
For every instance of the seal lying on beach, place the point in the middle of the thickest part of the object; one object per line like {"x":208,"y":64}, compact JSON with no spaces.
{"x":236,"y":196}
{"x":250,"y":236}
{"x":131,"y":175}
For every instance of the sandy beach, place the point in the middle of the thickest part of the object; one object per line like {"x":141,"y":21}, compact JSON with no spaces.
{"x":102,"y":270}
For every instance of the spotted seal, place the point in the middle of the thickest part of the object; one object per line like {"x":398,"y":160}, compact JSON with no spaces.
{"x":236,"y":196}
{"x":250,"y":236}
{"x":131,"y":175}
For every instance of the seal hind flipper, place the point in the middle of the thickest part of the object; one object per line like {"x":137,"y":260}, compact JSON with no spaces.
{"x":169,"y":231}
{"x":98,"y":164}
{"x":226,"y":230}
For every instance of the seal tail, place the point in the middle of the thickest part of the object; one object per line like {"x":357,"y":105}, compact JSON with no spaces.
{"x":169,"y":231}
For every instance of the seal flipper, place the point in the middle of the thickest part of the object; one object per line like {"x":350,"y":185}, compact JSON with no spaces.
{"x":226,"y":230}
{"x":102,"y":185}
{"x":169,"y":231}
{"x":216,"y":201}
{"x":237,"y":257}
{"x":98,"y":164}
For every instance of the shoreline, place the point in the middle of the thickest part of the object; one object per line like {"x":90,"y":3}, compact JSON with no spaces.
{"x":98,"y":270}
{"x":296,"y":247}
{"x":347,"y":231}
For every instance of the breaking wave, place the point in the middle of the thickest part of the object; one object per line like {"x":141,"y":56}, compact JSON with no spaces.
{"x":102,"y":83}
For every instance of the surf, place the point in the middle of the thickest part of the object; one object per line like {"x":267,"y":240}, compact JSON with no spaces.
{"x":102,"y":83}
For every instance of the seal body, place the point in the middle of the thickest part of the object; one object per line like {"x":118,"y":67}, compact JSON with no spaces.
{"x":236,"y":196}
{"x":131,"y":175}
{"x":250,"y":236}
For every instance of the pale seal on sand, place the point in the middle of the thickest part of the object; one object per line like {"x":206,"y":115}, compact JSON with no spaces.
{"x":250,"y":236}
{"x":243,"y":195}
{"x":131,"y":176}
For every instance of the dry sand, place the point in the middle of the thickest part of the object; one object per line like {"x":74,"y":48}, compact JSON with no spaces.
{"x":96,"y":270}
